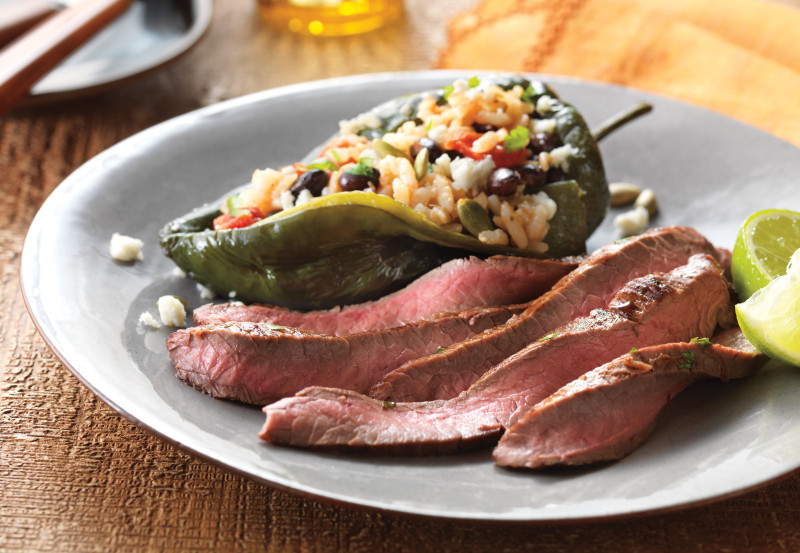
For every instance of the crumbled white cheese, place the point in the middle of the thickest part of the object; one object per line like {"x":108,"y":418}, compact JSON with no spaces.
{"x":146,"y":319}
{"x":171,"y":311}
{"x":438,"y":134}
{"x":544,"y":105}
{"x":442,"y":165}
{"x":232,"y":294}
{"x":460,"y":85}
{"x":559,"y":157}
{"x":304,"y":197}
{"x":469,"y":174}
{"x":632,"y":222}
{"x":125,"y":248}
{"x":287,"y":200}
{"x":205,"y":293}
{"x":178,"y":272}
{"x":473,"y":94}
{"x":369,"y":120}
{"x":547,"y":126}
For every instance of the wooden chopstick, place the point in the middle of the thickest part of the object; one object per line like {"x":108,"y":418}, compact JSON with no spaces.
{"x":31,"y":56}
{"x":18,"y":17}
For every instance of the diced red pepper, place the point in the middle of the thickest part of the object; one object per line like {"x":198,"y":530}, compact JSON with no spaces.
{"x":228,"y":221}
{"x":462,"y":141}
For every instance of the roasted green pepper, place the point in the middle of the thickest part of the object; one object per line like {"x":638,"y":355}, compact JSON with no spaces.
{"x":354,"y":246}
{"x":338,"y":249}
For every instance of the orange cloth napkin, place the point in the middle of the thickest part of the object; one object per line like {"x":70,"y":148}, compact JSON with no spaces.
{"x":738,"y":57}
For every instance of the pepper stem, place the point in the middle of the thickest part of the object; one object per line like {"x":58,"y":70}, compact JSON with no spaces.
{"x":610,"y":125}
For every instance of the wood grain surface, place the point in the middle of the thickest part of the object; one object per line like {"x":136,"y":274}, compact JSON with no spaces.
{"x":76,"y":476}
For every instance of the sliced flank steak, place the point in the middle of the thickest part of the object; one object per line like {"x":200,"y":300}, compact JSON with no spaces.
{"x":590,"y":286}
{"x":689,"y":301}
{"x":455,"y":286}
{"x":261,"y":362}
{"x":608,"y":412}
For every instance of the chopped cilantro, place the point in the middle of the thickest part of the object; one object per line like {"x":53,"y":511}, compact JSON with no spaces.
{"x":636,"y":331}
{"x":702,"y":342}
{"x":446,"y":91}
{"x":440,"y":349}
{"x":274,"y":327}
{"x":634,"y":350}
{"x":688,"y":360}
{"x":548,"y":336}
{"x":363,"y":167}
{"x":324,"y":164}
{"x":234,"y":206}
{"x":388,"y":404}
{"x":528,"y":95}
{"x":517,"y":139}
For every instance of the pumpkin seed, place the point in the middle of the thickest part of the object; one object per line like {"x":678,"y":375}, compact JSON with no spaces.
{"x":383,"y":149}
{"x":623,"y":193}
{"x":473,"y":217}
{"x":421,"y":163}
{"x":647,"y":200}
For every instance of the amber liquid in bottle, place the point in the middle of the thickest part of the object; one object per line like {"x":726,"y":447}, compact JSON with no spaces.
{"x":330,"y":17}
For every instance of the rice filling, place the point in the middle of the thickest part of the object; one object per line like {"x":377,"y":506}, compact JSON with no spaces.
{"x":470,"y":136}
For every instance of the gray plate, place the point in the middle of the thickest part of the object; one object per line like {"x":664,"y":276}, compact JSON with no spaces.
{"x":714,"y":440}
{"x":148,"y":35}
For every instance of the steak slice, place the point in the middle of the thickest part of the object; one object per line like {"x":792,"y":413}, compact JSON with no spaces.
{"x":455,"y":286}
{"x":608,"y":412}
{"x":590,"y":286}
{"x":689,"y":301}
{"x":261,"y":362}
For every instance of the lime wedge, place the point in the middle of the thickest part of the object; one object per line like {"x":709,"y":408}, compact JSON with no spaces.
{"x":770,"y":319}
{"x":762,"y":249}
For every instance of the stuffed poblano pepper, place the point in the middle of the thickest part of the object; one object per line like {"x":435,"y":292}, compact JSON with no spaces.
{"x":486,"y":166}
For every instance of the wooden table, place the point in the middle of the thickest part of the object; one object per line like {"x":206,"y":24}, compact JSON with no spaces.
{"x":76,"y":476}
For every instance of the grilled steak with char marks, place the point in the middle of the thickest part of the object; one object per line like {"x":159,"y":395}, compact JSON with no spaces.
{"x":590,"y":286}
{"x":260,"y":362}
{"x":689,"y":301}
{"x":455,"y":286}
{"x":608,"y":412}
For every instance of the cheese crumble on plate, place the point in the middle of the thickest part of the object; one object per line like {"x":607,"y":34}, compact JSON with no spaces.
{"x":125,"y":248}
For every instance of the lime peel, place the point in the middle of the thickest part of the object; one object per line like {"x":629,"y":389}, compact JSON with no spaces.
{"x":770,"y":318}
{"x":763,"y":246}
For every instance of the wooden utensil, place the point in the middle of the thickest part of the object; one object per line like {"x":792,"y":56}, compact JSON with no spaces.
{"x":22,"y":15}
{"x":31,"y":56}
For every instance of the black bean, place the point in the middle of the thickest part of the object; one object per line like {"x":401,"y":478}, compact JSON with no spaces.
{"x":555,"y":175}
{"x":504,"y":182}
{"x":425,"y":143}
{"x":353,"y":181}
{"x":544,"y":142}
{"x":313,"y":180}
{"x":483,"y":127}
{"x":533,"y":177}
